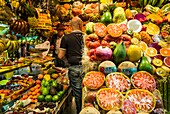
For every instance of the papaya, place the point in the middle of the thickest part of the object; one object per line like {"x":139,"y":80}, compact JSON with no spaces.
{"x":119,"y":15}
{"x":106,"y":18}
{"x":89,"y":27}
{"x":119,"y":54}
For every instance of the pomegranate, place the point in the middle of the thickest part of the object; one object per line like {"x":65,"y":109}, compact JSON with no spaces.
{"x":103,"y":53}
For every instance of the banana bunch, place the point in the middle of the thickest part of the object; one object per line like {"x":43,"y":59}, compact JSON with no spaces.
{"x":19,"y":26}
{"x":157,"y":3}
{"x":2,"y":46}
{"x":15,"y":4}
{"x":2,"y":3}
{"x":12,"y":45}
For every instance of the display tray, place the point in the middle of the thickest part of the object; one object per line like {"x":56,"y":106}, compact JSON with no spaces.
{"x":32,"y":107}
{"x":5,"y":69}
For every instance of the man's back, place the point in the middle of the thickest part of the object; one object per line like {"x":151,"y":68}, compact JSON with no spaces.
{"x":73,"y":44}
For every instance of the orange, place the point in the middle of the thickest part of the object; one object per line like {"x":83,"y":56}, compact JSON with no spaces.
{"x":151,"y":52}
{"x":143,"y":45}
{"x":25,"y":96}
{"x":165,"y":52}
{"x":34,"y":93}
{"x":29,"y":93}
{"x":30,"y":96}
{"x":66,"y":6}
{"x":38,"y":86}
{"x":32,"y":89}
{"x":38,"y":82}
{"x":37,"y":90}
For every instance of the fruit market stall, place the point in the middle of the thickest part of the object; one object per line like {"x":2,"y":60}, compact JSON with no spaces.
{"x":126,"y":56}
{"x":126,"y":60}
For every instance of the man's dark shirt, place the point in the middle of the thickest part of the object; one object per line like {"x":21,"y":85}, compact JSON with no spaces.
{"x":73,"y":44}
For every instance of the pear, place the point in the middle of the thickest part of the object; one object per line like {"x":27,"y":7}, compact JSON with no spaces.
{"x":144,"y":65}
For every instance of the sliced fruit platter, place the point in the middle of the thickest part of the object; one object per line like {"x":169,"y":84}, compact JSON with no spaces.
{"x":126,"y":59}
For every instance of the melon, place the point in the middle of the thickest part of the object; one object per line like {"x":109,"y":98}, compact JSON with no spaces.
{"x":107,"y":67}
{"x":127,"y":67}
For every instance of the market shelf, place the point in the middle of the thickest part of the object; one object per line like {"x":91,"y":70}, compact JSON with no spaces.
{"x":12,"y":68}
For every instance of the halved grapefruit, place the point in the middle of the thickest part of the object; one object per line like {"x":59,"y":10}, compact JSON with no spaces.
{"x":167,"y":61}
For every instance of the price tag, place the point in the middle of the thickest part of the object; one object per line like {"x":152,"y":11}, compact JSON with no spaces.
{"x":107,"y":70}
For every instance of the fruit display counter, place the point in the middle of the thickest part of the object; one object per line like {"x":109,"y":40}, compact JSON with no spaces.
{"x":42,"y":93}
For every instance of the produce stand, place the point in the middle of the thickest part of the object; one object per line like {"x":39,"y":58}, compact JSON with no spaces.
{"x":126,"y":54}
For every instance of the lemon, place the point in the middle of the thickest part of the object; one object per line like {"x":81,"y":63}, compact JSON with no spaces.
{"x":153,"y":29}
{"x":134,"y":53}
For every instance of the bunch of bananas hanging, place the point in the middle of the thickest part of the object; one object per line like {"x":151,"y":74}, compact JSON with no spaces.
{"x":157,"y":3}
{"x":15,"y":4}
{"x":12,"y":45}
{"x":2,"y":46}
{"x":2,"y":3}
{"x":19,"y":26}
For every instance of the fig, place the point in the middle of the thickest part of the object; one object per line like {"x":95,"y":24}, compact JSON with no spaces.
{"x":90,"y":97}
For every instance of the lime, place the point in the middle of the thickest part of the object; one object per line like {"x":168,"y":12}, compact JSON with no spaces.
{"x":60,"y":93}
{"x":48,"y":98}
{"x":41,"y":98}
{"x":45,"y":91}
{"x":55,"y":98}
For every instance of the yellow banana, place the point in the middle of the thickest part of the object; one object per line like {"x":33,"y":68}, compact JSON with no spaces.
{"x":8,"y":44}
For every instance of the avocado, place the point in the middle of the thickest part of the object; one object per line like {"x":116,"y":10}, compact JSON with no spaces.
{"x":59,"y":87}
{"x":53,"y":90}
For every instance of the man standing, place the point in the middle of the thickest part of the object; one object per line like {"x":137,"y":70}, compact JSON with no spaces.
{"x":55,"y":44}
{"x":72,"y":46}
